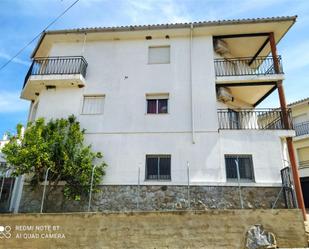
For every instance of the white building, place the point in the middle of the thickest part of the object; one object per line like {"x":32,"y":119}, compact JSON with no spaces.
{"x":164,"y":100}
{"x":3,"y":142}
{"x":9,"y":191}
{"x":300,"y":114}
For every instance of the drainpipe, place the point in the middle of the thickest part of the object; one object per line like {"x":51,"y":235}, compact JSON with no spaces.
{"x":191,"y":86}
{"x":84,"y":43}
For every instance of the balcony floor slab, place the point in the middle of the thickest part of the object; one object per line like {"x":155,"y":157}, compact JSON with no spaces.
{"x":36,"y":83}
{"x":249,"y":78}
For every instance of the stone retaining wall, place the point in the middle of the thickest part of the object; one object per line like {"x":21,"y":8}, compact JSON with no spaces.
{"x":149,"y":198}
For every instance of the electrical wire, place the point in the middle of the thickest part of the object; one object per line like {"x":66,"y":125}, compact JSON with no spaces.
{"x":38,"y":35}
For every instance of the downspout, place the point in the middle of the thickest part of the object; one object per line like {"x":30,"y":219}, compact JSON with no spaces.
{"x":30,"y":111}
{"x":84,"y":43}
{"x":191,"y":86}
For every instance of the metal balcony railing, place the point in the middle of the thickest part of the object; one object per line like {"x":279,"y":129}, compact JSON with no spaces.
{"x":257,"y":119}
{"x":57,"y":65}
{"x":304,"y":164}
{"x":245,"y":66}
{"x":302,"y":128}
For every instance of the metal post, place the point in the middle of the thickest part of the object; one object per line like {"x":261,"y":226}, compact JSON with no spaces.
{"x":138,"y":187}
{"x":275,"y":203}
{"x":90,"y":193}
{"x":44,"y":190}
{"x":238,"y":179}
{"x":10,"y":193}
{"x":2,"y":184}
{"x":188,"y":190}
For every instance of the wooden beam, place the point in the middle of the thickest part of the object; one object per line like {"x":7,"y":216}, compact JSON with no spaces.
{"x":265,"y":96}
{"x":289,"y":141}
{"x":274,"y":52}
{"x":297,"y":184}
{"x":240,"y":35}
{"x":259,"y":51}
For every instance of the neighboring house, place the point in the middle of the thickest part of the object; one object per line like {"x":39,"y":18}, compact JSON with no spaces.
{"x":168,"y":103}
{"x":6,"y":182}
{"x":300,"y":113}
{"x":10,"y":187}
{"x":3,"y":142}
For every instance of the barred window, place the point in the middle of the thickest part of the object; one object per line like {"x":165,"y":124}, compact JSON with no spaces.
{"x":158,"y":167}
{"x":245,"y":166}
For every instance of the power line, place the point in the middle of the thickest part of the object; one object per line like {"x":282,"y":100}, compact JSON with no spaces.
{"x":38,"y":35}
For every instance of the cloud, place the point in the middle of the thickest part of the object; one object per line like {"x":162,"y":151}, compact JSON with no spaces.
{"x":218,"y":10}
{"x":15,"y":60}
{"x":155,"y":11}
{"x":10,"y":102}
{"x":296,"y":57}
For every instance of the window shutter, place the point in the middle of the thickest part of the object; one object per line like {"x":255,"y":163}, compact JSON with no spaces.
{"x":159,"y":55}
{"x":93,"y":105}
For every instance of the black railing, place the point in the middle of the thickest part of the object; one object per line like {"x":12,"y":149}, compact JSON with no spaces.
{"x":304,"y":164}
{"x":302,"y":128}
{"x":288,"y":189}
{"x":257,"y":119}
{"x":57,"y":65}
{"x":245,"y":66}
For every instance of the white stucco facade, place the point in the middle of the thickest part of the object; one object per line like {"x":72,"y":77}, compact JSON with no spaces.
{"x":125,"y":133}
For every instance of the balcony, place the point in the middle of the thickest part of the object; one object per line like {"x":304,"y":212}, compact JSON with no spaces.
{"x":247,"y":69}
{"x":257,"y":119}
{"x":302,"y":129}
{"x":62,"y":71}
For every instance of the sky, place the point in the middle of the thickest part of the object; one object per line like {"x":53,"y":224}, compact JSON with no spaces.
{"x":22,"y":20}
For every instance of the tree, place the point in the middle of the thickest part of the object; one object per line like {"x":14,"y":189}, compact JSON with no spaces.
{"x":59,"y":146}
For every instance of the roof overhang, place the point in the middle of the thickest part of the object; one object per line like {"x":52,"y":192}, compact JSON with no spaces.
{"x":278,"y":25}
{"x":251,"y":93}
{"x":304,"y":101}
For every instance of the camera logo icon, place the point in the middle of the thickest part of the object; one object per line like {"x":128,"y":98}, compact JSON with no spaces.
{"x":5,"y":232}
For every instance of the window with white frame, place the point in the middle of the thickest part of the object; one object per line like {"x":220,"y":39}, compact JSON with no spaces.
{"x":239,"y":164}
{"x":159,"y":54}
{"x":93,"y":104}
{"x":157,"y":103}
{"x":158,"y":167}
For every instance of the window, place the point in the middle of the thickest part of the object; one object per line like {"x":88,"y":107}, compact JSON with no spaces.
{"x":159,"y":55}
{"x":234,"y":119}
{"x":245,"y":167}
{"x":93,"y":104}
{"x":303,"y":156}
{"x":158,"y":167}
{"x":157,"y":104}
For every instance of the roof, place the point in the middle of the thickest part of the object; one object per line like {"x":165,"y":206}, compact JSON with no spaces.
{"x":175,"y":25}
{"x":301,"y":101}
{"x":165,"y":26}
